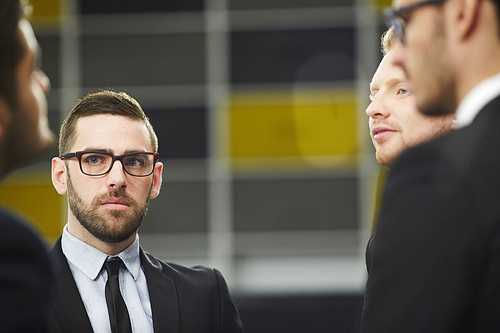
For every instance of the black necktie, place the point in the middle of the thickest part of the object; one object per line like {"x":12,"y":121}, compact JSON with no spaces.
{"x":118,"y":314}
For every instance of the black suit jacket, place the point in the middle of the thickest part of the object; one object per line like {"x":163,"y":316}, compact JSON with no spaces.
{"x":434,"y":261}
{"x":25,"y":276}
{"x":183,"y":300}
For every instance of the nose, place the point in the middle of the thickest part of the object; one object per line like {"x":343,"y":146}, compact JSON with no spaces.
{"x":116,"y":177}
{"x":377,"y":107}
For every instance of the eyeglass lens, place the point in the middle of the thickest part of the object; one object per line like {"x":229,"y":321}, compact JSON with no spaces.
{"x":138,"y":164}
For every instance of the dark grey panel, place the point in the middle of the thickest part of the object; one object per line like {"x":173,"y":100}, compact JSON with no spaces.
{"x":273,"y":4}
{"x":180,"y":207}
{"x":134,"y":6}
{"x":109,"y":61}
{"x":293,"y":56}
{"x":50,"y":58}
{"x":181,"y":132}
{"x":296,"y":204}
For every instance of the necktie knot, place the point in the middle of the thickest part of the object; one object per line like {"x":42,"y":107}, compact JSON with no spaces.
{"x":113,"y":266}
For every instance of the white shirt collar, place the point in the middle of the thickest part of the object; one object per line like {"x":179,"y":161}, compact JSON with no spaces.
{"x":90,"y":260}
{"x":476,"y":99}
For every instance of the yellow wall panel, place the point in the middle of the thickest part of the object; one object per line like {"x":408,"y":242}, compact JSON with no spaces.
{"x":34,"y":198}
{"x":263,"y":131}
{"x":293,"y":124}
{"x":45,"y":8}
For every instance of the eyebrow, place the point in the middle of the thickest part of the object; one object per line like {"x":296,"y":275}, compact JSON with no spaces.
{"x":389,"y":83}
{"x":394,"y":81}
{"x":104,"y":150}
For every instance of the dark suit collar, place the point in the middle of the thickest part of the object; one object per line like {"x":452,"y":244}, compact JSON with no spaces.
{"x":67,"y":304}
{"x":162,"y":295}
{"x":71,"y":313}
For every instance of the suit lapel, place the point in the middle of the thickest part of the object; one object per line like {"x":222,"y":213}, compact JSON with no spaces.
{"x":162,"y":295}
{"x":67,"y":303}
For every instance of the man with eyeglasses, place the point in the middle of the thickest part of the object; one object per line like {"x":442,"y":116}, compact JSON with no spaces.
{"x":104,"y":282}
{"x":435,"y":260}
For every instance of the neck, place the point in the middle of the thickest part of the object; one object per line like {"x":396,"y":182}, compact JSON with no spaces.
{"x":77,"y":230}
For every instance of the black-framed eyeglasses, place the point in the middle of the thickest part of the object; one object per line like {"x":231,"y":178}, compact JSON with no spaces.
{"x":397,"y":17}
{"x":97,"y":163}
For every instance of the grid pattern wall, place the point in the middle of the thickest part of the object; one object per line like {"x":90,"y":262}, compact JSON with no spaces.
{"x":259,"y":110}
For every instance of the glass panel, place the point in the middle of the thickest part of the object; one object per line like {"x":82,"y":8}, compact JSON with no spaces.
{"x":180,"y":207}
{"x":274,"y":4}
{"x":109,"y":61}
{"x":181,"y":132}
{"x":50,"y":58}
{"x":293,"y":56}
{"x":296,"y":204}
{"x":134,"y":6}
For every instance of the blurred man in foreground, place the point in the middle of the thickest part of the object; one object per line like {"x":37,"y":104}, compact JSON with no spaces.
{"x":24,"y":135}
{"x":435,"y":261}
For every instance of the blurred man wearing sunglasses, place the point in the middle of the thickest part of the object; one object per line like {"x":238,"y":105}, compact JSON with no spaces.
{"x":435,"y":258}
{"x":104,"y":282}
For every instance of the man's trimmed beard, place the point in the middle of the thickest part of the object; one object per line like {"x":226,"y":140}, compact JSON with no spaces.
{"x":97,"y":223}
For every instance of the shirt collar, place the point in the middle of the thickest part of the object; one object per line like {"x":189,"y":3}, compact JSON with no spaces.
{"x":90,"y":260}
{"x":476,"y":99}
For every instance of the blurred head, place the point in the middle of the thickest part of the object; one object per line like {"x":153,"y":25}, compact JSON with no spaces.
{"x":394,"y":120}
{"x":24,"y":129}
{"x":446,"y":47}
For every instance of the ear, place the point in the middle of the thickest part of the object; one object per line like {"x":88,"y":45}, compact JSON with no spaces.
{"x":464,"y":17}
{"x":59,"y":178}
{"x":157,"y":179}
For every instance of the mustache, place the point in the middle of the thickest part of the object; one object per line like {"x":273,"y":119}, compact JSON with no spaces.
{"x":114,"y":193}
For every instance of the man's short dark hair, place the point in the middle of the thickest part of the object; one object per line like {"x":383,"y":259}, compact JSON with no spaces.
{"x":105,"y":102}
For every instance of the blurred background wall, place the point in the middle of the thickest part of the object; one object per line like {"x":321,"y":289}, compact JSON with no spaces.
{"x":269,"y":173}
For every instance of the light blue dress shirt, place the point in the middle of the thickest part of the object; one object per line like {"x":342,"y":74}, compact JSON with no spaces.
{"x":86,"y":265}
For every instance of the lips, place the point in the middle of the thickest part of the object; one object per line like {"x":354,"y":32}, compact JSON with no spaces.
{"x":381,"y":133}
{"x":114,"y":203}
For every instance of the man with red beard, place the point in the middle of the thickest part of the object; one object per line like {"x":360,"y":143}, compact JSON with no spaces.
{"x":108,"y":167}
{"x":435,"y":258}
{"x":395,"y":123}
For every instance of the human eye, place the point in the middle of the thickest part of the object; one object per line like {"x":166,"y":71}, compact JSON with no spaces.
{"x":403,"y":91}
{"x":136,"y":161}
{"x":94,"y":159}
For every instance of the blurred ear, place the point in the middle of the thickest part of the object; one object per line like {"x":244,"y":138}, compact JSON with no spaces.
{"x":59,"y":178}
{"x":157,"y":179}
{"x":465,"y":15}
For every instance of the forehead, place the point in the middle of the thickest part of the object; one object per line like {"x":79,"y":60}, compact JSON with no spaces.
{"x":387,"y":71}
{"x":112,"y":132}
